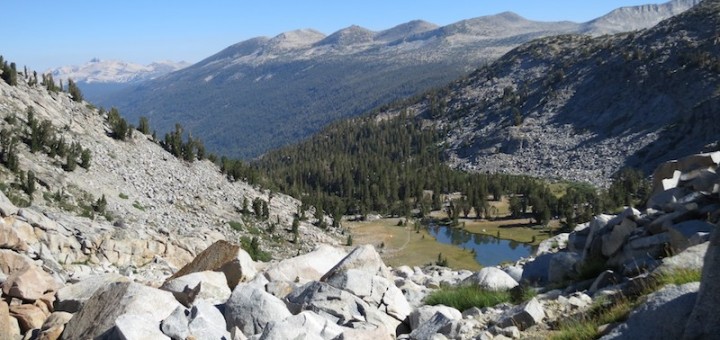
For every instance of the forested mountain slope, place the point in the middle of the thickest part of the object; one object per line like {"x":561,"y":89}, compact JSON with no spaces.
{"x":577,"y":107}
{"x":263,"y":93}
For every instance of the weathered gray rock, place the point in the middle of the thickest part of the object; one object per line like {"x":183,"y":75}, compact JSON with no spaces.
{"x":207,"y":322}
{"x":280,"y":289}
{"x":703,"y":180}
{"x":423,"y":314}
{"x":213,"y":288}
{"x":176,"y":324}
{"x":307,"y":267}
{"x":377,"y":291}
{"x":414,"y":293}
{"x":404,"y":272}
{"x":136,"y":327}
{"x":375,"y":332}
{"x":613,"y":241}
{"x":681,"y":234}
{"x":576,"y":300}
{"x":37,"y":219}
{"x":578,"y":238}
{"x":99,"y":313}
{"x":698,"y":161}
{"x":638,"y":252}
{"x":237,"y":334}
{"x":491,"y":278}
{"x":704,"y":322}
{"x":562,"y":266}
{"x":511,"y":332}
{"x":251,"y":309}
{"x":605,"y":279}
{"x":666,"y":198}
{"x":438,"y":323}
{"x":339,"y":306}
{"x":536,"y":271}
{"x":306,"y":325}
{"x":7,"y":208}
{"x":523,"y":316}
{"x":661,"y":316}
{"x":364,"y":258}
{"x":593,"y":244}
{"x":514,"y":271}
{"x":553,"y":244}
{"x":691,"y":258}
{"x":72,"y":297}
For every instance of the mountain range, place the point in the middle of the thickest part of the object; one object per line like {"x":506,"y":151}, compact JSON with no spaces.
{"x":581,"y":108}
{"x":264,"y":93}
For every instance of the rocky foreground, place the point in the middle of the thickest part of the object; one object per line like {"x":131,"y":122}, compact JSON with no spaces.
{"x":332,"y":294}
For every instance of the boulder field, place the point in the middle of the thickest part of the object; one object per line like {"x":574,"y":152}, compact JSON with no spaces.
{"x":343,"y":293}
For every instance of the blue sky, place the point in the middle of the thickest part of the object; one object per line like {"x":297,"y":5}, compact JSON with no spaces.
{"x":43,"y":33}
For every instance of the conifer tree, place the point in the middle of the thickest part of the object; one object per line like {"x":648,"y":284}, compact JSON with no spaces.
{"x":144,"y":126}
{"x":85,"y":157}
{"x":74,"y":91}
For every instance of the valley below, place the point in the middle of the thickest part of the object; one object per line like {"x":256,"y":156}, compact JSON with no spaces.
{"x":569,"y":188}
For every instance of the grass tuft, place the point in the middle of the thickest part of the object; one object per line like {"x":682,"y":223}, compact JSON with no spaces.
{"x":465,"y":297}
{"x":679,"y":277}
{"x":586,"y":325}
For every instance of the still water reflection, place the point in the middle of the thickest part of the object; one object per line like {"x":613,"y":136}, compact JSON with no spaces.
{"x":489,"y":250}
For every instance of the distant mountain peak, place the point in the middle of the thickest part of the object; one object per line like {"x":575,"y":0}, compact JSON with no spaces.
{"x":632,"y":18}
{"x":405,"y":30}
{"x":352,"y":35}
{"x":115,"y":71}
{"x":295,"y":39}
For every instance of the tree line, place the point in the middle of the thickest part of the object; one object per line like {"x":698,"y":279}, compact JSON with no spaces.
{"x":397,"y":166}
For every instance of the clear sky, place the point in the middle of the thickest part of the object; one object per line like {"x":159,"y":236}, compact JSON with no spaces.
{"x":49,"y":33}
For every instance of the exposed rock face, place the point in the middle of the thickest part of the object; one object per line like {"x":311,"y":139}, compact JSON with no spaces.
{"x":523,"y":316}
{"x":704,"y":322}
{"x":377,"y":291}
{"x":99,"y":314}
{"x":633,"y":241}
{"x":307,"y":267}
{"x":422,"y":315}
{"x":661,"y":316}
{"x":213,"y":286}
{"x":251,"y":309}
{"x":71,"y":298}
{"x":342,"y":307}
{"x":305,"y":325}
{"x":491,"y":278}
{"x":363,"y":258}
{"x":584,"y":107}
